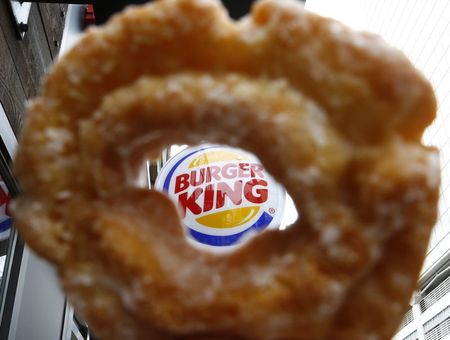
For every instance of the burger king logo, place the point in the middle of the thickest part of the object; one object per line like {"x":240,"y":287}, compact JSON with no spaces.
{"x":5,"y":215}
{"x":223,"y":194}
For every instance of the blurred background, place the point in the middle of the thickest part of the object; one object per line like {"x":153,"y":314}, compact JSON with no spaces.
{"x":33,"y":35}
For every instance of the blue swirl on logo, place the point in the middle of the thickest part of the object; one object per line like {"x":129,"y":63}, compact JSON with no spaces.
{"x":6,"y":224}
{"x":228,"y":240}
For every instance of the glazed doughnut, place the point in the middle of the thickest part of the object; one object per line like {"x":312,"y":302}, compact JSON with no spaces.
{"x":335,"y":116}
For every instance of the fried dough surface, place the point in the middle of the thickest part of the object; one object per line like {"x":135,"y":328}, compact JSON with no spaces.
{"x":336,"y":116}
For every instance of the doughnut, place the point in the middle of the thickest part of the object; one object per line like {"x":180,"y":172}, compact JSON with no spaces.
{"x":336,"y":116}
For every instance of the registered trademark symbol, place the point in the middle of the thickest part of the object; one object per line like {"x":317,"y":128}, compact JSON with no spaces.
{"x":272,"y":210}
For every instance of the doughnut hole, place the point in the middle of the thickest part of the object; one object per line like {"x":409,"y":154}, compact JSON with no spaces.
{"x":236,"y":197}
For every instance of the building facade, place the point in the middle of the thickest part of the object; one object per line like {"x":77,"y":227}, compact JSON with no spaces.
{"x":421,"y":29}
